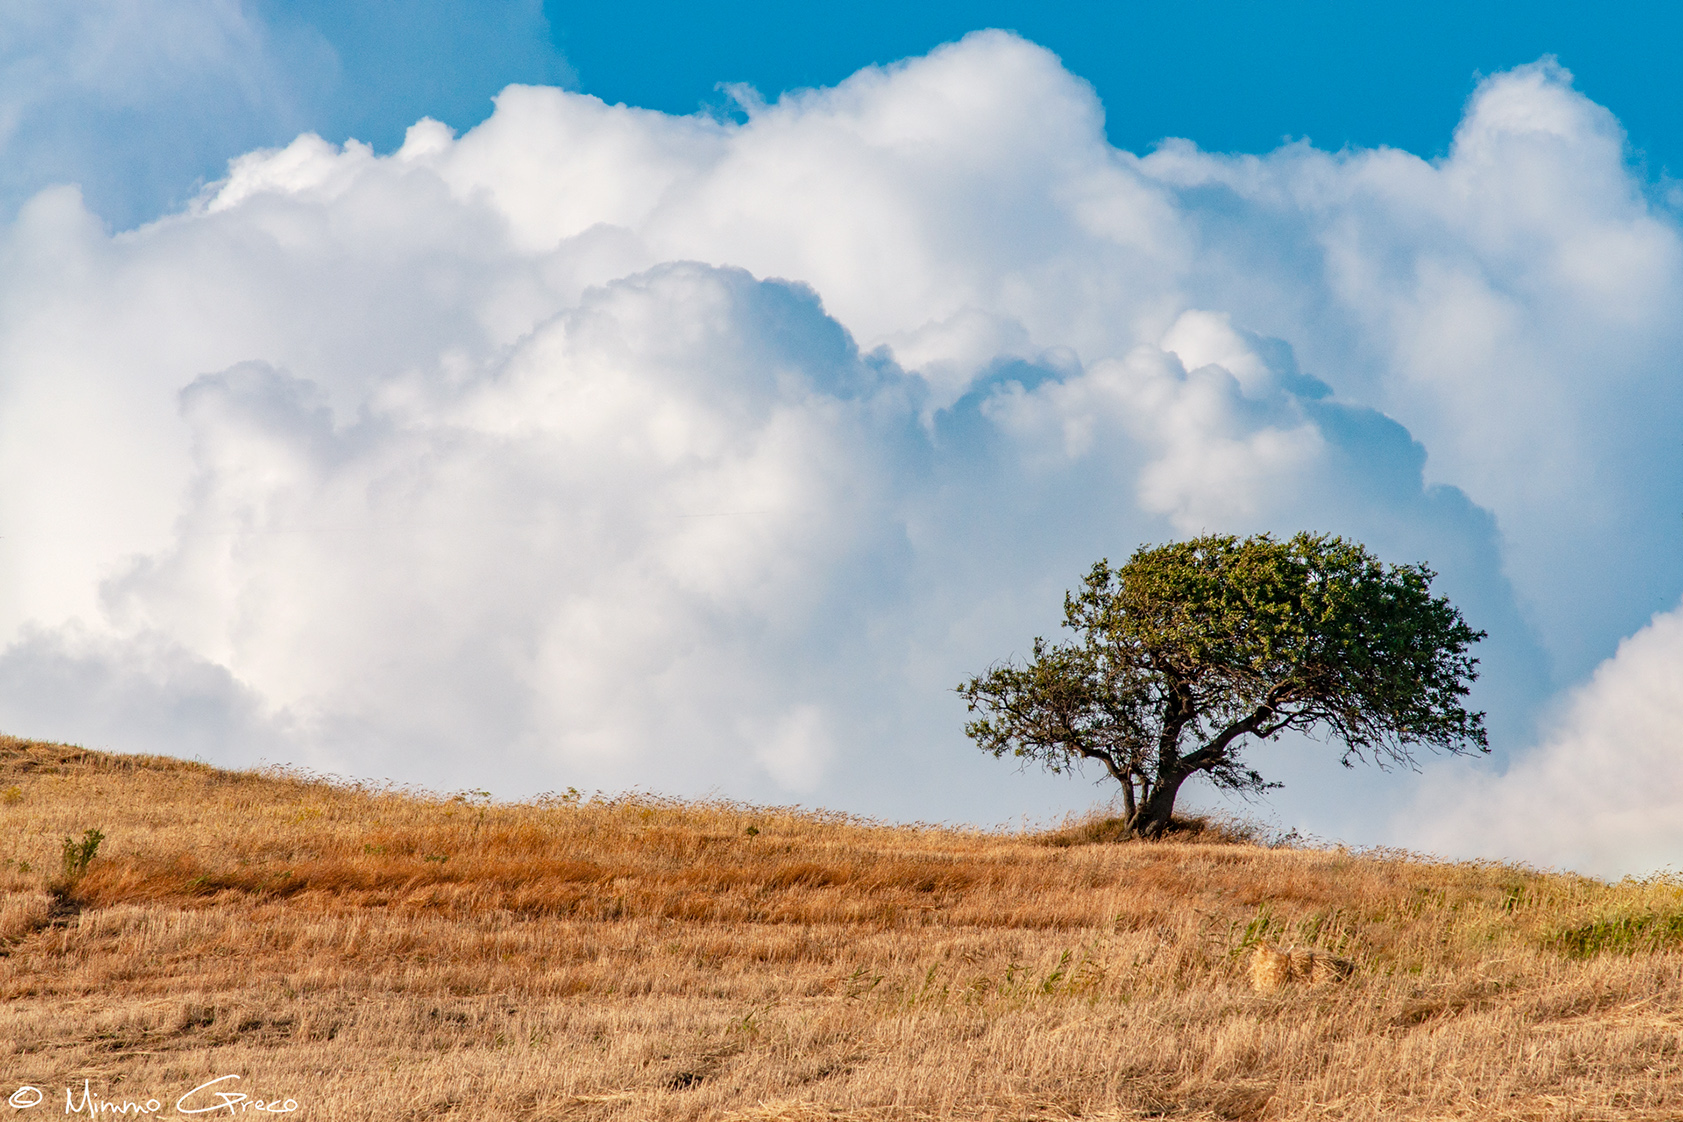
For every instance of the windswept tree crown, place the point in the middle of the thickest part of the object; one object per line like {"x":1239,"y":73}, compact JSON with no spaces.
{"x":1192,"y":650}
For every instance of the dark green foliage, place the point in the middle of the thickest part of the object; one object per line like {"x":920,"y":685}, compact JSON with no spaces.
{"x":1190,"y":651}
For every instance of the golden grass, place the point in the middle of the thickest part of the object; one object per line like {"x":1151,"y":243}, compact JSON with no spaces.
{"x":386,"y":955}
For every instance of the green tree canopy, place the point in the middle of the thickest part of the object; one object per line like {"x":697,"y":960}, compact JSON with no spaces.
{"x":1191,"y":651}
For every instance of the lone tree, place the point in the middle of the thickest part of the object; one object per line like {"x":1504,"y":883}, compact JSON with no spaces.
{"x":1192,"y":650}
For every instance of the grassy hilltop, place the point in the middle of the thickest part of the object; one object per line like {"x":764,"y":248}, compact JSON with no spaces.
{"x":373,"y":954}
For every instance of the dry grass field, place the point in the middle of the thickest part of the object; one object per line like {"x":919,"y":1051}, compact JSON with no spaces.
{"x":375,"y":954}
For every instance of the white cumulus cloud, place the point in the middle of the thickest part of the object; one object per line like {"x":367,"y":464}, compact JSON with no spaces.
{"x":597,"y":446}
{"x":1600,"y":794}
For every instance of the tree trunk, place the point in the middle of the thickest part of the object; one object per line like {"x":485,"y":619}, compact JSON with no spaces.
{"x":1156,"y":810}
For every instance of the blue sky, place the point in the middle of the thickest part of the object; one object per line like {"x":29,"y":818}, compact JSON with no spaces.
{"x":1234,"y":76}
{"x":651,"y":432}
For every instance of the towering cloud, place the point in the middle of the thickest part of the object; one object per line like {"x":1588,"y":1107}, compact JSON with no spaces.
{"x":602,"y":447}
{"x":1600,"y":794}
{"x":77,"y":79}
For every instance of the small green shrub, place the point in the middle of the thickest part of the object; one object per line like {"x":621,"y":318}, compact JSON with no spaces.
{"x":78,"y":855}
{"x":1623,"y":935}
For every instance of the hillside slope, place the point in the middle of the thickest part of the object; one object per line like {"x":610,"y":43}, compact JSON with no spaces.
{"x":379,"y":954}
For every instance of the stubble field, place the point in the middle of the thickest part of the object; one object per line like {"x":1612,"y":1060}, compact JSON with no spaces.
{"x":375,"y":954}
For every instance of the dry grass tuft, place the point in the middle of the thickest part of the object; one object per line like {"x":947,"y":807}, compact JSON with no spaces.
{"x":380,"y":954}
{"x":1101,"y":828}
{"x":1272,"y":967}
